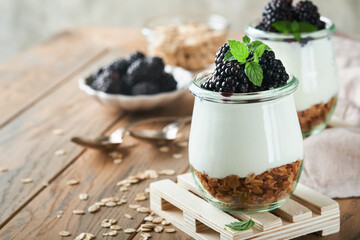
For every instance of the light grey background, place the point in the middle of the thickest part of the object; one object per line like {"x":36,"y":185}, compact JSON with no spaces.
{"x":24,"y":23}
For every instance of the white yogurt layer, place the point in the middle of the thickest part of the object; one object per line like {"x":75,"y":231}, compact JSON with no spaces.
{"x":239,"y":139}
{"x":314,"y":65}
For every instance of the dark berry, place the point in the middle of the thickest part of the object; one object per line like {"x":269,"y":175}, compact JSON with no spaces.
{"x":110,"y":82}
{"x":135,"y":56}
{"x":141,"y":70}
{"x":221,"y":53}
{"x":167,"y":82}
{"x":306,"y":11}
{"x":275,"y":10}
{"x":120,"y":65}
{"x":157,"y":64}
{"x":145,"y":88}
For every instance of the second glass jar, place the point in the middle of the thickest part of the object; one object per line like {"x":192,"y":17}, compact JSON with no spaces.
{"x":312,"y":61}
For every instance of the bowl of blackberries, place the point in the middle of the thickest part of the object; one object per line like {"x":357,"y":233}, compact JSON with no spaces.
{"x":137,"y":83}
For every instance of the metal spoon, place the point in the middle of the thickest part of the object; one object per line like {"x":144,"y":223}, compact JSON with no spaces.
{"x":169,"y":132}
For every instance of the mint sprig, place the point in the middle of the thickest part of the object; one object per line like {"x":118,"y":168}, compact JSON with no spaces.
{"x":294,"y":27}
{"x":241,"y":225}
{"x":240,"y":51}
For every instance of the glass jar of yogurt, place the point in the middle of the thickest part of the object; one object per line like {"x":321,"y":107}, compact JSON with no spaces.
{"x":312,"y":61}
{"x":245,"y":149}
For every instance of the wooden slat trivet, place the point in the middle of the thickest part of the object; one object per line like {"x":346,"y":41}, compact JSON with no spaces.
{"x":181,"y":204}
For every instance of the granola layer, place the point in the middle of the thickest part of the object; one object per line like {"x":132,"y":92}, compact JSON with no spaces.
{"x":253,"y":190}
{"x":315,"y":115}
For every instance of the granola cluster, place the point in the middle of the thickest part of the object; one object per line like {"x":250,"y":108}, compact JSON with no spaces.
{"x":253,"y":190}
{"x":191,"y":46}
{"x":315,"y":115}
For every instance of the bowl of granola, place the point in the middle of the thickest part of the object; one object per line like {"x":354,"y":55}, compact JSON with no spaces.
{"x":189,"y":41}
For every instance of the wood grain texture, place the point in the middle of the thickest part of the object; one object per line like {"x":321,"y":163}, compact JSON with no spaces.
{"x":98,"y":176}
{"x":27,"y":147}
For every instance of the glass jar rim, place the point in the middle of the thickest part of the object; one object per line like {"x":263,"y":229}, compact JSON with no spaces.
{"x":234,"y":98}
{"x":329,"y":30}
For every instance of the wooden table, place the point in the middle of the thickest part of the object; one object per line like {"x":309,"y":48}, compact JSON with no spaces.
{"x":39,"y":94}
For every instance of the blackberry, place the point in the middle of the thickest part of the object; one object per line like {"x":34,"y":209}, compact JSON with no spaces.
{"x":275,"y":10}
{"x":120,"y":65}
{"x":157,"y":64}
{"x":110,"y":82}
{"x":135,"y":56}
{"x":273,"y":71}
{"x":221,"y":53}
{"x":306,"y":11}
{"x":141,"y":70}
{"x":167,"y":82}
{"x":145,"y":88}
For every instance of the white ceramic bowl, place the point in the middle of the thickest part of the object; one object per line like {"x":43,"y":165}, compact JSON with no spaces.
{"x":141,"y":102}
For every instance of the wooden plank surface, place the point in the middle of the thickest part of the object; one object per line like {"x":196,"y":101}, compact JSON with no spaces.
{"x":26,"y":120}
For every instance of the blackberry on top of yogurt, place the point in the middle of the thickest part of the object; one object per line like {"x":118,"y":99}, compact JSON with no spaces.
{"x":246,"y":67}
{"x":283,"y":16}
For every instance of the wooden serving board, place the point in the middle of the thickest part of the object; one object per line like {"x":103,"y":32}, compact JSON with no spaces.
{"x":306,"y":212}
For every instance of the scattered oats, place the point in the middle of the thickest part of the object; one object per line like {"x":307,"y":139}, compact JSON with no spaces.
{"x":4,"y":169}
{"x":131,"y":181}
{"x":143,"y":210}
{"x":147,"y":190}
{"x":64,"y":233}
{"x":93,"y":208}
{"x":124,"y":189}
{"x":134,"y":206}
{"x":105,"y":200}
{"x":60,"y":152}
{"x":142,"y":229}
{"x":148,"y":225}
{"x":111,"y":233}
{"x":115,"y":227}
{"x":165,"y":223}
{"x":152,"y":214}
{"x":170,"y":230}
{"x":85,"y":236}
{"x":110,"y":204}
{"x":122,"y":182}
{"x":168,"y":172}
{"x":158,"y":229}
{"x":58,"y":132}
{"x":115,"y":155}
{"x":112,"y":221}
{"x":117,"y":161}
{"x":83,"y":196}
{"x":157,"y":220}
{"x":78,"y":212}
{"x":149,"y":218}
{"x":128,"y":216}
{"x":45,"y":184}
{"x":140,"y":197}
{"x":145,"y":236}
{"x":72,"y":182}
{"x":100,"y":204}
{"x":183,"y":144}
{"x":26,"y":180}
{"x":115,"y":199}
{"x":164,"y":149}
{"x":177,"y":155}
{"x":129,"y":230}
{"x":105,"y":224}
{"x":121,"y":202}
{"x":58,"y":216}
{"x":151,"y":174}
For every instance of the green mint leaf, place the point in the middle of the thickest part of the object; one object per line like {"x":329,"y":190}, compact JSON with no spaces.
{"x":282,"y":26}
{"x":229,"y":57}
{"x":255,"y":44}
{"x":305,"y":27}
{"x":254,"y":72}
{"x":241,"y":225}
{"x":239,"y":50}
{"x":246,"y":39}
{"x":259,"y":50}
{"x":256,"y":58}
